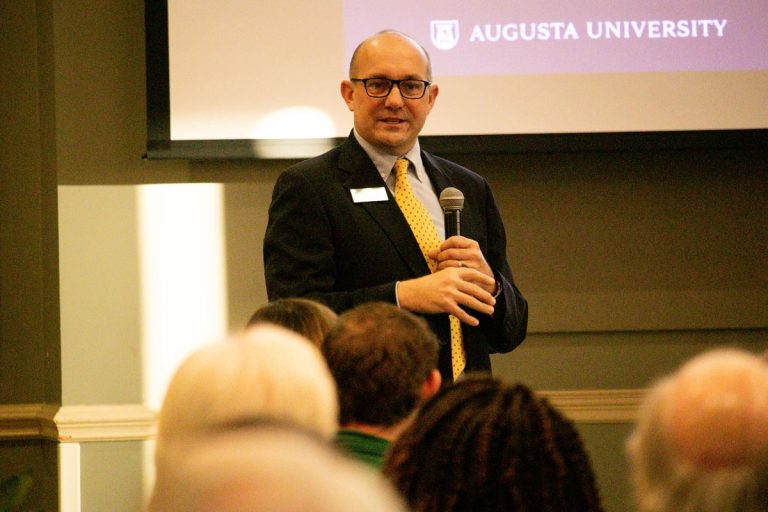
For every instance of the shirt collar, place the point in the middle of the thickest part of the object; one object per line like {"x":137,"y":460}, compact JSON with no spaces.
{"x":384,"y":162}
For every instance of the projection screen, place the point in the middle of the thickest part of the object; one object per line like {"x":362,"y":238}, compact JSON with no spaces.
{"x":238,"y":78}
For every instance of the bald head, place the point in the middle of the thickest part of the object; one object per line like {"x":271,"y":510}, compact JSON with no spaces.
{"x":391,"y":123}
{"x":383,"y":39}
{"x":716,"y":409}
{"x":701,"y":440}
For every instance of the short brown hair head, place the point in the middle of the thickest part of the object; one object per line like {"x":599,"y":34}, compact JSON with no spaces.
{"x":380,"y":356}
{"x":307,"y":317}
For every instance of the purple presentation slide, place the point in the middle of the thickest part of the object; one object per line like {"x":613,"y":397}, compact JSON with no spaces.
{"x":529,"y":37}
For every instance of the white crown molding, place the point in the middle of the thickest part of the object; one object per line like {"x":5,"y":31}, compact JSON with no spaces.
{"x":597,"y":406}
{"x":136,"y":422}
{"x":128,"y":422}
{"x":77,"y":423}
{"x":27,"y":421}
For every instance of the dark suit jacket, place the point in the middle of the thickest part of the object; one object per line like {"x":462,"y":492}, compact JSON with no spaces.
{"x":320,"y":244}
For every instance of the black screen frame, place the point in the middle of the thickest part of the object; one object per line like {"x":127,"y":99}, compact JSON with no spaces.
{"x":161,"y":146}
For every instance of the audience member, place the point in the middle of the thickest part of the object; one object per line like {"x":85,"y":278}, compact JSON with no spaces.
{"x":270,"y":468}
{"x":701,"y":441}
{"x":304,"y":316}
{"x":481,"y":445}
{"x":384,"y":360}
{"x":264,"y":371}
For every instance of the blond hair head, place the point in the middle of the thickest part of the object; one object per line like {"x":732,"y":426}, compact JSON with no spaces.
{"x":263,"y":372}
{"x":271,"y":468}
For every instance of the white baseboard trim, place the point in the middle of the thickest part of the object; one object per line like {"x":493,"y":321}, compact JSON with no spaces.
{"x":136,"y":422}
{"x":77,"y":423}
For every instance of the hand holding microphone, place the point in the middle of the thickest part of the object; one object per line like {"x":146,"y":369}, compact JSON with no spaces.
{"x":461,"y":251}
{"x":469,"y":288}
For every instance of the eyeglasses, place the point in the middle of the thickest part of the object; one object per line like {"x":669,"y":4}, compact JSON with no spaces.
{"x":381,"y":87}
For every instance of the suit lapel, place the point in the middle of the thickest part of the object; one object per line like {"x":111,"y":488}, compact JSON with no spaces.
{"x":363,"y":174}
{"x":441,"y":178}
{"x":437,"y":176}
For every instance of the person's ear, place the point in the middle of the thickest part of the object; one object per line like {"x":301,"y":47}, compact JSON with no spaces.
{"x":348,"y":93}
{"x":431,"y":385}
{"x":434,"y":90}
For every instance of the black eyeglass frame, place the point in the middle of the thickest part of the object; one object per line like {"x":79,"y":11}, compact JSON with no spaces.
{"x":392,"y":83}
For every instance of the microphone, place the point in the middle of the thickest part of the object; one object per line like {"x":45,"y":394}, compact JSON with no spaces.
{"x":452,"y":202}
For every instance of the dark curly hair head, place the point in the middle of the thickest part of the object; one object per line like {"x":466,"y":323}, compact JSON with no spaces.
{"x":481,"y":445}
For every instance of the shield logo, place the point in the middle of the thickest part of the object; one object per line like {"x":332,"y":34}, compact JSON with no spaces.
{"x":445,"y":33}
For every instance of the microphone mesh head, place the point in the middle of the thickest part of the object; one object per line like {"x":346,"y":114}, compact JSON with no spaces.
{"x":451,"y":199}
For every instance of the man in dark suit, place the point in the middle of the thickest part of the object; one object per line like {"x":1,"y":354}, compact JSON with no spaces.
{"x":336,"y":234}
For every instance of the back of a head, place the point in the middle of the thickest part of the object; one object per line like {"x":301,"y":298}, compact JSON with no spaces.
{"x":307,"y":317}
{"x":483,"y":445}
{"x":380,"y":356}
{"x":265,"y":371}
{"x":272,"y":469}
{"x":701,"y":441}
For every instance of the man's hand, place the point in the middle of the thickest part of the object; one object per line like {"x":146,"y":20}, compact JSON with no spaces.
{"x":448,"y":289}
{"x":462,"y":252}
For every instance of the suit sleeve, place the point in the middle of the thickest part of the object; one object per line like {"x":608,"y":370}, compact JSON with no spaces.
{"x":507,"y":327}
{"x":299,"y":254}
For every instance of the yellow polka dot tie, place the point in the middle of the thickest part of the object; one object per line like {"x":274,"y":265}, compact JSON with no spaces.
{"x":426,"y":235}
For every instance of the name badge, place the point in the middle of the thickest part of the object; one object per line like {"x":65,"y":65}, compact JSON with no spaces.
{"x":368,"y":195}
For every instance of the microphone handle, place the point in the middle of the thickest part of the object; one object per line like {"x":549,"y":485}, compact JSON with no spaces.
{"x":452,"y":222}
